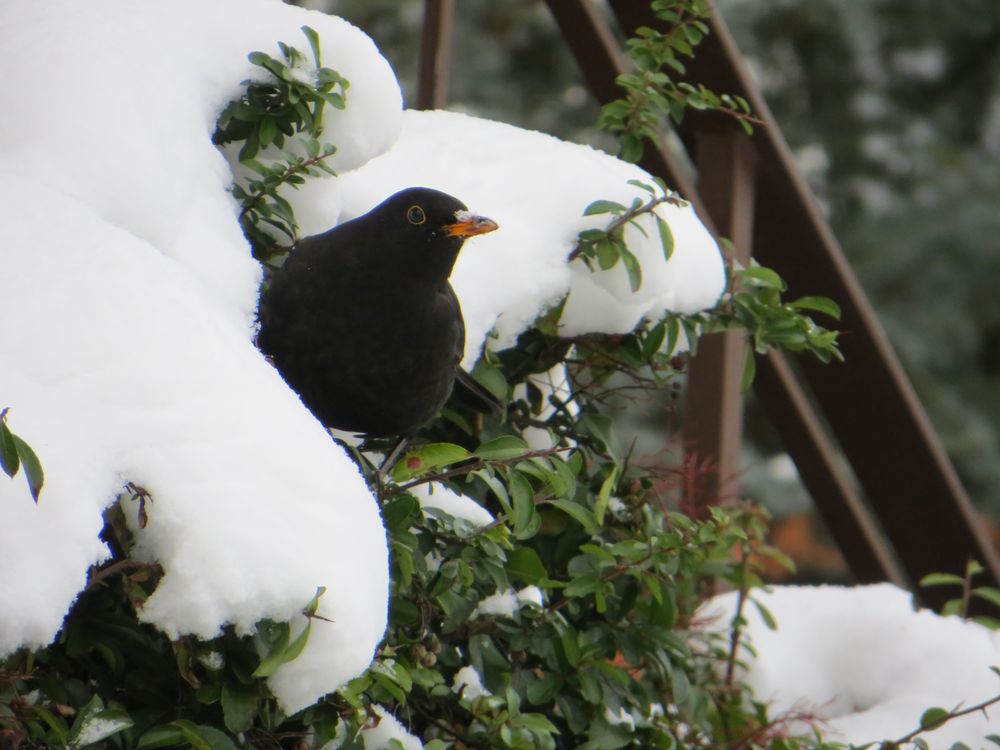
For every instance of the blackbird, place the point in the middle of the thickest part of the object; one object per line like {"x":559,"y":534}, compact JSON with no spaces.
{"x":361,"y":320}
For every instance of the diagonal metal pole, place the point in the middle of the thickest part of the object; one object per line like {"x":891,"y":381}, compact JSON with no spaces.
{"x":868,"y":402}
{"x":601,"y":60}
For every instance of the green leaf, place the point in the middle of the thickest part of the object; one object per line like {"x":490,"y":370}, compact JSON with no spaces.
{"x":666,"y":237}
{"x":239,"y":706}
{"x":524,"y":564}
{"x":427,"y":458}
{"x":654,"y":340}
{"x":987,"y":593}
{"x":204,"y":737}
{"x":933,"y":717}
{"x":543,"y":689}
{"x":607,"y":253}
{"x":393,"y":671}
{"x":492,"y":379}
{"x":283,"y":650}
{"x":582,"y":585}
{"x":763,"y":277}
{"x":991,"y":623}
{"x":525,"y":517}
{"x":95,"y":723}
{"x":633,"y":269}
{"x":642,"y":185}
{"x":972,"y":568}
{"x":400,"y":513}
{"x":942,"y":579}
{"x":818,"y":304}
{"x":502,"y":448}
{"x":680,"y":686}
{"x":600,"y":426}
{"x":569,"y":640}
{"x":604,"y":207}
{"x":765,"y":614}
{"x":313,"y":38}
{"x":579,"y":513}
{"x":298,"y":644}
{"x":32,"y":467}
{"x":164,"y":735}
{"x":534,"y":722}
{"x":9,"y":460}
{"x":604,"y":495}
{"x":55,"y":723}
{"x":953,"y":608}
{"x":267,"y":132}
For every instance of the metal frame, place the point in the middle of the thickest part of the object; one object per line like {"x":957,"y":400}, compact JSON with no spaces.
{"x":748,"y":189}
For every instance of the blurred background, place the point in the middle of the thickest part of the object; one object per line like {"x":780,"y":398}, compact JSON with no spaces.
{"x":892,"y":108}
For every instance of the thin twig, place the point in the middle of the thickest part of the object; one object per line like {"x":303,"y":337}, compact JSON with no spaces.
{"x":119,"y":567}
{"x":475,"y":465}
{"x":292,"y":169}
{"x":953,"y":714}
{"x":628,"y":216}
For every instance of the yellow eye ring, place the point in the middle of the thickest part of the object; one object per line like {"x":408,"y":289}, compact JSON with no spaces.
{"x":415,"y":215}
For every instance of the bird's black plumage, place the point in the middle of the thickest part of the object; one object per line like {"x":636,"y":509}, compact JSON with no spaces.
{"x":361,"y":320}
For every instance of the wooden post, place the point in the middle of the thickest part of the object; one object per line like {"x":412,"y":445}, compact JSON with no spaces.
{"x":821,"y":469}
{"x":713,"y":414}
{"x":435,"y":54}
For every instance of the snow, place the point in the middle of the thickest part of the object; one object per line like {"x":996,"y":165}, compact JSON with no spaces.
{"x":387,"y":730}
{"x":468,"y":684}
{"x":126,"y":326}
{"x":621,"y":717}
{"x":536,"y":188}
{"x":866,"y":663}
{"x":552,"y":384}
{"x":507,"y":603}
{"x":126,"y":322}
{"x":436,"y":495}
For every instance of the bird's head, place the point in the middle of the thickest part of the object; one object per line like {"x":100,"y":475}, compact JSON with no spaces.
{"x":429,"y":226}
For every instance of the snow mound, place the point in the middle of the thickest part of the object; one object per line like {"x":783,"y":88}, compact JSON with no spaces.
{"x":536,"y":187}
{"x":126,"y":326}
{"x":866,"y":663}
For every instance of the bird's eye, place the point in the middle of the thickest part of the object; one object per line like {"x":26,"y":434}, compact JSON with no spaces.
{"x":415,"y":215}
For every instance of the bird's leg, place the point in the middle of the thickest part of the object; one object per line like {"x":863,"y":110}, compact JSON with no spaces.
{"x":392,"y":456}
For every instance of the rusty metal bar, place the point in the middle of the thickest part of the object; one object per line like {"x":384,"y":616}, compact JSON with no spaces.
{"x":844,"y":513}
{"x":868,"y":402}
{"x":713,"y":414}
{"x":435,"y":54}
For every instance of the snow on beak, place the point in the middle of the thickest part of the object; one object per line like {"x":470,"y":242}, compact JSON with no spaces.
{"x":469,"y":225}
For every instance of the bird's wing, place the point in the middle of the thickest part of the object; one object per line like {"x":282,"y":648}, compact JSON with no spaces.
{"x":468,"y":391}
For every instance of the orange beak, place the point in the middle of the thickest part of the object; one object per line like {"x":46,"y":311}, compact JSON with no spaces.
{"x":469,"y":225}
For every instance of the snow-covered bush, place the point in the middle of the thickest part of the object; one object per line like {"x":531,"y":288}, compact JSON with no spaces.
{"x":543,"y":585}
